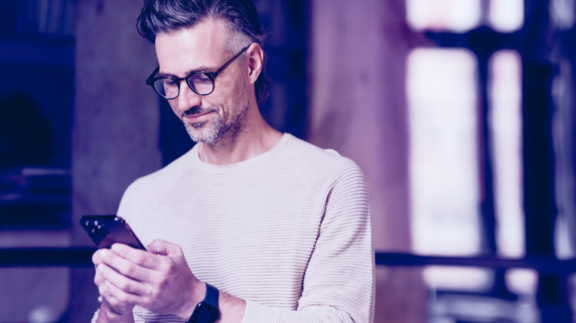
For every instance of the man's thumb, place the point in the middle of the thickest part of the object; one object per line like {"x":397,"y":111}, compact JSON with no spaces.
{"x":161,"y":247}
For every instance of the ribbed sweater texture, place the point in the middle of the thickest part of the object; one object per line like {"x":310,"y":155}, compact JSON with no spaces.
{"x":288,"y":231}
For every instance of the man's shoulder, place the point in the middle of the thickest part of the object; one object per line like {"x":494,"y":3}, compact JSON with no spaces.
{"x":301,"y":151}
{"x":312,"y":161}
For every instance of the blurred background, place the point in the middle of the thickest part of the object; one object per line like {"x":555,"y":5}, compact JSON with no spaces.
{"x":461,"y":113}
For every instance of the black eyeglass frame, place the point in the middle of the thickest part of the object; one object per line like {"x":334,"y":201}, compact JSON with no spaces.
{"x":211,"y":75}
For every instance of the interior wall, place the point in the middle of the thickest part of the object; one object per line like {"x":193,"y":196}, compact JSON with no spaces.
{"x":116,"y":120}
{"x":358,"y":107}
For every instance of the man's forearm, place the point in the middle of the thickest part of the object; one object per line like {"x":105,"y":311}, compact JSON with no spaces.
{"x":231,"y":308}
{"x":107,"y":316}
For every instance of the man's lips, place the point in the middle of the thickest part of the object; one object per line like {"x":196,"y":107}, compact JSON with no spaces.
{"x":190,"y":116}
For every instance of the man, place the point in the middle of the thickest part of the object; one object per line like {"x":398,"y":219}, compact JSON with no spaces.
{"x":251,"y":225}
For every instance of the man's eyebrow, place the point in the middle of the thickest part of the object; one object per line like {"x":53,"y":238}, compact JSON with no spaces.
{"x":198,"y":70}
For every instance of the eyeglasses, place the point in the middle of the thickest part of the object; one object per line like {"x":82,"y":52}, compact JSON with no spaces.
{"x":202,"y":83}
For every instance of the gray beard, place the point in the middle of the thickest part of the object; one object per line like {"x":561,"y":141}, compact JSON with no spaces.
{"x":208,"y":131}
{"x":214,"y":129}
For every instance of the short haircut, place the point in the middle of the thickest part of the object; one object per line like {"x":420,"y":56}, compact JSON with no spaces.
{"x":165,"y":16}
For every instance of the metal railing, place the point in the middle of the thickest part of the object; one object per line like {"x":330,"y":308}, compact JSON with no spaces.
{"x":82,"y":257}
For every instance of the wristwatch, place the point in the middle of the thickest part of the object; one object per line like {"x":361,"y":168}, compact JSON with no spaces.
{"x":207,"y":310}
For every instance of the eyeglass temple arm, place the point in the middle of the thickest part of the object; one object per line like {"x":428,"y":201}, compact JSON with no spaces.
{"x":149,"y":79}
{"x":228,"y":62}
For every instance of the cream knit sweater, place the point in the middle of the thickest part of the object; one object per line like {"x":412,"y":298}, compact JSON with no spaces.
{"x":288,"y":231}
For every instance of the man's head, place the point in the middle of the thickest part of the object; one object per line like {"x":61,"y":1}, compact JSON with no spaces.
{"x":201,"y":35}
{"x":164,"y":16}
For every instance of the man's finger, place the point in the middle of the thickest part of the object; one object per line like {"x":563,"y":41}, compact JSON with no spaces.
{"x":103,"y":290}
{"x":121,"y":282}
{"x":98,"y":279}
{"x":123,"y":265}
{"x":123,"y":296}
{"x":96,"y":259}
{"x":140,"y":257}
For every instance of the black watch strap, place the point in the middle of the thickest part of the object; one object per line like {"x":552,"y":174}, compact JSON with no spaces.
{"x":211,"y":295}
{"x":207,"y":310}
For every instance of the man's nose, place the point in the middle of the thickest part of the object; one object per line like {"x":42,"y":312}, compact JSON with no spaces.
{"x":187,"y":98}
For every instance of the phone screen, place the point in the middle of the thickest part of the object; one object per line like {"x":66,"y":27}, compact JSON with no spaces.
{"x":105,"y":230}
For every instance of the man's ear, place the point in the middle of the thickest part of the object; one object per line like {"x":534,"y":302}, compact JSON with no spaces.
{"x":255,"y":57}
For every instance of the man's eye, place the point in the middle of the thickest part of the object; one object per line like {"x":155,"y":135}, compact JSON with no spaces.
{"x":169,"y":82}
{"x":201,"y":78}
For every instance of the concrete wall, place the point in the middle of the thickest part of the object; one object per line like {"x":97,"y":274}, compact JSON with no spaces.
{"x":358,"y":107}
{"x":116,"y":119}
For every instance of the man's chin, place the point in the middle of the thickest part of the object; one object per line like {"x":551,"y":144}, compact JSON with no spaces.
{"x":196,"y":125}
{"x":202,"y":132}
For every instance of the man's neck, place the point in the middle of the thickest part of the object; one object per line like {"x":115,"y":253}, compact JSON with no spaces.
{"x":255,"y":138}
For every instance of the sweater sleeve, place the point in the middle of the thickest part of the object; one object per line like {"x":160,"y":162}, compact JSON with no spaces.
{"x":338,"y":285}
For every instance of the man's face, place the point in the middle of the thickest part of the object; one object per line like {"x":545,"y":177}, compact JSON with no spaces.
{"x":204,"y":48}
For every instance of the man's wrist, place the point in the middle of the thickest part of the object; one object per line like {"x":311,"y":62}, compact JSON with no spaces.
{"x":197,"y":297}
{"x":206,"y":311}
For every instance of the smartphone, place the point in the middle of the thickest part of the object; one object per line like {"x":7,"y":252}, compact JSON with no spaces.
{"x":105,"y":230}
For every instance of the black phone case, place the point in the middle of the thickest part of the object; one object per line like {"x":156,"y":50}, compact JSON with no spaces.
{"x":105,"y":230}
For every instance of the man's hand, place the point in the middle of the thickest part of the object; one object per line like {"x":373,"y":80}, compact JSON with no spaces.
{"x":113,"y":305}
{"x":158,"y":280}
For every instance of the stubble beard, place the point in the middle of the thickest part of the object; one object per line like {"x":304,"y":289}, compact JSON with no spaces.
{"x":215,"y":128}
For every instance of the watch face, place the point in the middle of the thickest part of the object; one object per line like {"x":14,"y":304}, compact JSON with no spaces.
{"x":204,"y":313}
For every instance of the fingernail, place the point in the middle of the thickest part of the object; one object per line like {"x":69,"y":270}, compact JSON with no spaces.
{"x":115,"y":248}
{"x":100,"y":268}
{"x":107,"y":282}
{"x":102,"y":254}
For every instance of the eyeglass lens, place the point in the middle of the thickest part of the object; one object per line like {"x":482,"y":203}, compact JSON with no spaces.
{"x":199,"y":83}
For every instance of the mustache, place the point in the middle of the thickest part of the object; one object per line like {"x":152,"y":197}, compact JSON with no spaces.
{"x":196,"y":110}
